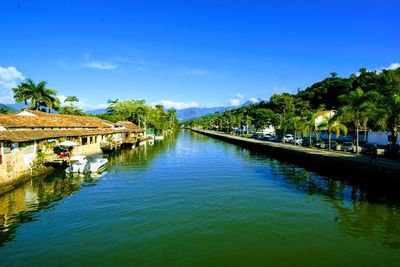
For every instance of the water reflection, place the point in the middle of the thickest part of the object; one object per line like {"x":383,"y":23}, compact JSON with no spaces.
{"x":362,"y":210}
{"x":141,"y":157}
{"x":18,"y":206}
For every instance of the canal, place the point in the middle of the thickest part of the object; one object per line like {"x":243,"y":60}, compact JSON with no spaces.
{"x":191,"y":200}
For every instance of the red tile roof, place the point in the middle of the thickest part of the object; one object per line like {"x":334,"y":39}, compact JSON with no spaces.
{"x":30,"y":127}
{"x":131,"y":126}
{"x":30,"y":135}
{"x":51,"y":120}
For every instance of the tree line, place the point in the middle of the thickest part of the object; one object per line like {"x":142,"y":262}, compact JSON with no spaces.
{"x":143,"y":115}
{"x":368,"y":100}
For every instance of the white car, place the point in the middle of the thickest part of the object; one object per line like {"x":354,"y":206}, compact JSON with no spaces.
{"x":287,"y":138}
{"x":299,"y":141}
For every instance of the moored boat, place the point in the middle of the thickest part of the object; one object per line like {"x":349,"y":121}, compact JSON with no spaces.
{"x":83,"y":164}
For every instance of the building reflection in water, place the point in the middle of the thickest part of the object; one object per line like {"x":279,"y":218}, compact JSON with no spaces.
{"x":19,"y":205}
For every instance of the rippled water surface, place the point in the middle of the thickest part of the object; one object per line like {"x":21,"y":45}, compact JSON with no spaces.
{"x":195,"y":201}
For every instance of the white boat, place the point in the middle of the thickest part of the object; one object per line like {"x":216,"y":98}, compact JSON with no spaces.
{"x":83,"y":164}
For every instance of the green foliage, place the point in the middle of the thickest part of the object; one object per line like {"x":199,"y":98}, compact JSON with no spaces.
{"x":70,"y":110}
{"x":143,"y":115}
{"x":71,"y":99}
{"x":4,"y":110}
{"x":39,"y":95}
{"x":366,"y":101}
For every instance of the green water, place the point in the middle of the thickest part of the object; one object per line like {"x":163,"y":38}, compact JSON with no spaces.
{"x":195,"y":201}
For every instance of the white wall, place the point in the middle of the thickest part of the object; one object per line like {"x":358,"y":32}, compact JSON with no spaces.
{"x":30,"y":157}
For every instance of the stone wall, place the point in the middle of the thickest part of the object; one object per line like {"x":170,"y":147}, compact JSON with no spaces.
{"x":12,"y":166}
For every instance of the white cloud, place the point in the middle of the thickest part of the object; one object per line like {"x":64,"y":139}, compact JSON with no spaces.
{"x":179,"y":105}
{"x":9,"y":78}
{"x":392,"y":66}
{"x":97,"y":64}
{"x":83,"y":104}
{"x":101,"y":65}
{"x":234,"y":102}
{"x":239,"y":95}
{"x":254,"y":100}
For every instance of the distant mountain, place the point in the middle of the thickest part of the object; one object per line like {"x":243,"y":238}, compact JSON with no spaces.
{"x":192,"y":113}
{"x":2,"y":106}
{"x":250,"y":102}
{"x":96,"y":111}
{"x":13,"y":107}
{"x":189,"y":113}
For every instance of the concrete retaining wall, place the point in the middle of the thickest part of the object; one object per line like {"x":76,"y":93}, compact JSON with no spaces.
{"x":349,"y":166}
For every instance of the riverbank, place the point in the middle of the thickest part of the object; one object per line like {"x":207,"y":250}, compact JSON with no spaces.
{"x":39,"y":171}
{"x":347,"y":165}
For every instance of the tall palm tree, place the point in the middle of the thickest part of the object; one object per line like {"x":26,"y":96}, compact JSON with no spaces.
{"x":22,"y":93}
{"x":71,"y":99}
{"x":40,"y":95}
{"x":357,"y":109}
{"x":332,"y":124}
{"x":308,"y":127}
{"x":51,"y":102}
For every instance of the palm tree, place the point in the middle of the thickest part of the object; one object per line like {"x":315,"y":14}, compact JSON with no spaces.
{"x":392,"y":107}
{"x":357,"y":109}
{"x":248,"y":120}
{"x":332,"y":124}
{"x":309,"y":127}
{"x":40,"y":95}
{"x":71,"y":99}
{"x":297,"y":123}
{"x":22,"y":93}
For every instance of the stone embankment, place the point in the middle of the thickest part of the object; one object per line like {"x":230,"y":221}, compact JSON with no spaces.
{"x":345,"y":165}
{"x":33,"y":173}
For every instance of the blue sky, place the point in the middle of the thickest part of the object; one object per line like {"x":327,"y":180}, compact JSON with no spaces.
{"x":191,"y":53}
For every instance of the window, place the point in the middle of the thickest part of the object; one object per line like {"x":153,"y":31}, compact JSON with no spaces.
{"x":84,"y":140}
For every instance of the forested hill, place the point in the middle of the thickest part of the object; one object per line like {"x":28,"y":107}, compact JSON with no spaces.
{"x":366,"y":100}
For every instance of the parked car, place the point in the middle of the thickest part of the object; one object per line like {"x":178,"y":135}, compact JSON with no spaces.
{"x":321,"y":144}
{"x":348,"y":147}
{"x":397,"y":149}
{"x":334,"y":145}
{"x":273,"y":138}
{"x":306,"y":142}
{"x":287,"y":138}
{"x":372,"y":149}
{"x":267,"y":136}
{"x":297,"y":141}
{"x":260,"y":137}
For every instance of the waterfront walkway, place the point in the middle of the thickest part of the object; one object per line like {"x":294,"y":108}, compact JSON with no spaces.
{"x":360,"y":165}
